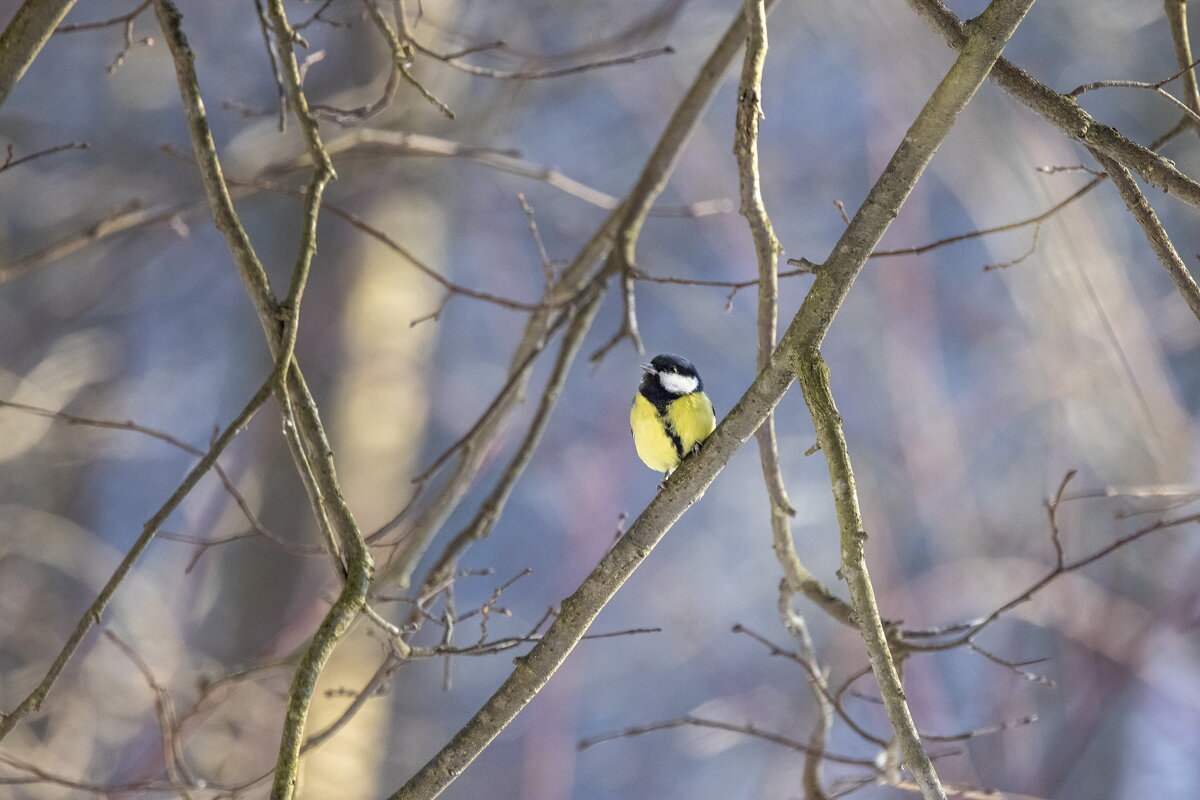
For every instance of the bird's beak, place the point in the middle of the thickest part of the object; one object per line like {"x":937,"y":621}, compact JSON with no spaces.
{"x":649,"y":368}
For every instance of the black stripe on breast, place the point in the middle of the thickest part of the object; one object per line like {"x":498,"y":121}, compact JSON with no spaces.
{"x":673,"y":435}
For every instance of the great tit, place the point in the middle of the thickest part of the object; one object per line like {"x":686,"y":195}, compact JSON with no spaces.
{"x":671,"y":414}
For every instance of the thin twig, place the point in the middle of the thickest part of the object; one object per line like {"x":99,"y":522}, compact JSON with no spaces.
{"x":354,"y":116}
{"x":818,"y":682}
{"x":453,"y":59}
{"x":628,"y":328}
{"x":1099,"y":177}
{"x":385,"y":142}
{"x":1154,"y":87}
{"x":966,"y":632}
{"x":807,"y":330}
{"x":1012,"y":262}
{"x":535,"y":74}
{"x":577,"y":611}
{"x":38,"y":775}
{"x":1014,"y":666}
{"x":1052,"y":505}
{"x":814,"y":676}
{"x":1064,"y":113}
{"x":128,"y":425}
{"x":402,"y":56}
{"x":316,"y":17}
{"x":746,"y":730}
{"x":492,"y":508}
{"x":10,"y":162}
{"x":176,"y":764}
{"x":1011,"y":226}
{"x":264,"y":28}
{"x":33,"y":701}
{"x":543,"y":255}
{"x":507,"y":391}
{"x":105,"y":23}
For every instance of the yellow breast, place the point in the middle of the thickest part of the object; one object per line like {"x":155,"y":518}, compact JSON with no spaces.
{"x":663,"y":439}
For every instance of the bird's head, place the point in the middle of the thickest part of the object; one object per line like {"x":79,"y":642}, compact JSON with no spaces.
{"x":675,"y":374}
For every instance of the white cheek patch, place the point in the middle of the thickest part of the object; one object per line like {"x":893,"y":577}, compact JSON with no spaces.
{"x":678,"y":384}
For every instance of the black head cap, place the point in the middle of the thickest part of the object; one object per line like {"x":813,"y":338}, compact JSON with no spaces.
{"x":673,"y":364}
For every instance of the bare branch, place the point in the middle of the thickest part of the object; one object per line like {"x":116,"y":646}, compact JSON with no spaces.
{"x":453,"y":59}
{"x":965,"y":632}
{"x":1012,"y":262}
{"x":1011,"y":226}
{"x":747,"y":730}
{"x":1014,"y":666}
{"x":688,"y":482}
{"x":105,"y":23}
{"x":402,"y":56}
{"x":619,"y":231}
{"x":1065,"y":114}
{"x":818,"y":680}
{"x":10,"y":162}
{"x":629,"y":324}
{"x":23,"y":39}
{"x":491,"y":509}
{"x":1052,"y":512}
{"x":1154,"y":87}
{"x":33,"y":701}
{"x":176,"y":764}
{"x":1176,"y":11}
{"x":1159,"y":241}
{"x":129,"y":425}
{"x":989,"y":33}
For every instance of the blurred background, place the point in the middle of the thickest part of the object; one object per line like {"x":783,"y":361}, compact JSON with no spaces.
{"x":967,"y":396}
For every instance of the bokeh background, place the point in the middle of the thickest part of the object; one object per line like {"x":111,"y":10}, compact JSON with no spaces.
{"x":967,"y":395}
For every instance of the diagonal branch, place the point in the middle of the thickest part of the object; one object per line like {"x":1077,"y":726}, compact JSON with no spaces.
{"x":23,"y":39}
{"x":92,"y":616}
{"x":493,"y":507}
{"x":618,"y":232}
{"x":1064,"y":113}
{"x":534,"y":669}
{"x":696,"y":473}
{"x":1159,"y":241}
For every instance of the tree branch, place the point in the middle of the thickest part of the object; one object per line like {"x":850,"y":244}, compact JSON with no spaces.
{"x":23,"y":39}
{"x":92,"y":616}
{"x":1159,"y":241}
{"x":767,"y":250}
{"x":696,"y":473}
{"x":1176,"y":11}
{"x":305,"y":433}
{"x":1064,"y":113}
{"x":619,"y":231}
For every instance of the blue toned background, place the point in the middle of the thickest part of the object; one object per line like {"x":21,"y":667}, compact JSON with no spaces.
{"x":966,"y":394}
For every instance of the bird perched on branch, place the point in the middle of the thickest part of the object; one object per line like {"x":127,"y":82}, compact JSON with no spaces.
{"x":671,"y":414}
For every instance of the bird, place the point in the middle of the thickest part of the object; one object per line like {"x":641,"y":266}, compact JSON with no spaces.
{"x":671,"y":414}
